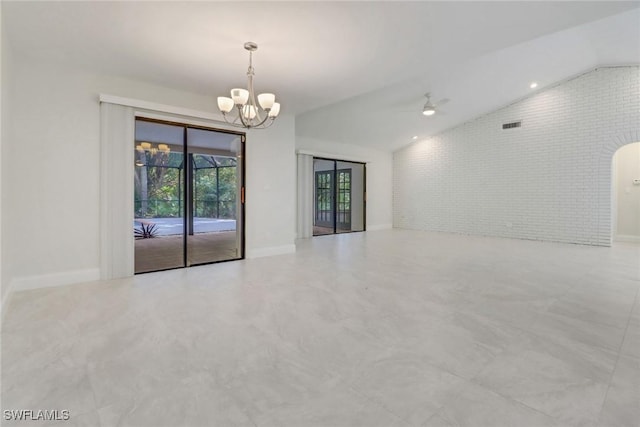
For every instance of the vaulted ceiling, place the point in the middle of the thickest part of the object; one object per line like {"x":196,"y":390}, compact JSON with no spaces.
{"x":350,"y":71}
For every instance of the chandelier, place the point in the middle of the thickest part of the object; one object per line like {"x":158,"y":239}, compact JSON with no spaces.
{"x":147,"y":147}
{"x":249,"y":114}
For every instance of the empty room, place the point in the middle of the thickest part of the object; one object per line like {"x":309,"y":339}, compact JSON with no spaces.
{"x":320,"y":214}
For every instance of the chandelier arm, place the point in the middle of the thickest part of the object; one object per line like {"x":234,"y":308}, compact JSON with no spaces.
{"x":246,"y":124}
{"x":262,"y":121}
{"x":273,"y":119}
{"x":233,"y":122}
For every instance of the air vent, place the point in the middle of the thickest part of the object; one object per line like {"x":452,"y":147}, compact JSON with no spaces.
{"x":511,"y":125}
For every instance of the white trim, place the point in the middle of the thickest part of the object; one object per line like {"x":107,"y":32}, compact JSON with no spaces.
{"x":379,"y":227}
{"x":53,"y":280}
{"x":117,"y":131}
{"x":270,"y":251}
{"x":154,"y":106}
{"x":626,"y":238}
{"x":304,"y":196}
{"x":333,"y":156}
{"x":187,"y":120}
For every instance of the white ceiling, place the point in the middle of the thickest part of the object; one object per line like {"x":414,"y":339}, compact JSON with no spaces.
{"x":365,"y":60}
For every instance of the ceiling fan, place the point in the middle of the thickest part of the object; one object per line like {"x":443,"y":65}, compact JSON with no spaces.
{"x":430,"y":108}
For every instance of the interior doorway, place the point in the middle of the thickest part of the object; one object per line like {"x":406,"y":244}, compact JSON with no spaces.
{"x":189,"y":195}
{"x":626,"y":193}
{"x":339,"y":196}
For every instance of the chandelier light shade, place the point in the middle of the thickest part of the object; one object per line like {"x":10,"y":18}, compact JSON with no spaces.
{"x":249,"y":113}
{"x":148,"y":147}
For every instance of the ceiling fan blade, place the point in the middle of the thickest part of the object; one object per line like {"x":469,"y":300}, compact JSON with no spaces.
{"x":443,"y":101}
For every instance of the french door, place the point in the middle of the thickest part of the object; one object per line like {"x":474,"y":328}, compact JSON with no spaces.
{"x":189,"y":195}
{"x":339,"y":196}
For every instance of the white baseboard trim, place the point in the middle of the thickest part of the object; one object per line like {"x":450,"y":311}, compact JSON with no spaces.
{"x":55,"y":279}
{"x":626,"y":238}
{"x":379,"y":227}
{"x":273,"y":250}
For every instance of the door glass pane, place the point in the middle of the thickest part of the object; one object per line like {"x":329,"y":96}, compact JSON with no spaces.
{"x":350,"y":197}
{"x":324,"y":197}
{"x":214,"y":204}
{"x":158,"y":196}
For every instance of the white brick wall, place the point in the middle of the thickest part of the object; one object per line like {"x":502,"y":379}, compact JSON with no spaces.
{"x":548,"y":180}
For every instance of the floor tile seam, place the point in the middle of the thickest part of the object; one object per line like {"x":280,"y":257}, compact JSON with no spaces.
{"x":555,"y":340}
{"x":93,"y":393}
{"x":475,"y":380}
{"x":601,"y":347}
{"x":432,"y":365}
{"x":378,"y":403}
{"x":606,"y":395}
{"x":437,"y":413}
{"x":512,"y":399}
{"x":580,"y":320}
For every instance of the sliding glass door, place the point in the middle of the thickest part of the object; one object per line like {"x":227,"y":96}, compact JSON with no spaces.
{"x":189,"y":207}
{"x":214,"y":196}
{"x":339,"y":196}
{"x":159,"y":197}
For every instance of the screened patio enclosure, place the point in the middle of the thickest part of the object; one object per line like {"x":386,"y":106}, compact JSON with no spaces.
{"x":159,"y":192}
{"x":187,"y":204}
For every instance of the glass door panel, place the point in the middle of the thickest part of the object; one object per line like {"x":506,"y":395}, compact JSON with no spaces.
{"x":350,"y":208}
{"x":214,"y":202}
{"x":158,"y":196}
{"x":324,"y":197}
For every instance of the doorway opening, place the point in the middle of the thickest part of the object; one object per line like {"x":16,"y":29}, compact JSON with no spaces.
{"x":189,"y":195}
{"x":626,"y":193}
{"x":339,"y":196}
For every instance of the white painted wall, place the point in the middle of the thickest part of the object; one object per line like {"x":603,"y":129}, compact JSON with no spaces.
{"x":627,"y":193}
{"x":271,"y":189}
{"x":52,"y":212}
{"x":379,"y":175}
{"x":548,"y":180}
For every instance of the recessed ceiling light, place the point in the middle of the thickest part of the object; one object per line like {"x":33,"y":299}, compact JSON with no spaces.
{"x":533,"y":85}
{"x":414,"y":137}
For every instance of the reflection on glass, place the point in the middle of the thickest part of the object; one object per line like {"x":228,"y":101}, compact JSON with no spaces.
{"x":350,"y":197}
{"x":324,"y":192}
{"x":158,"y":197}
{"x":214,"y":205}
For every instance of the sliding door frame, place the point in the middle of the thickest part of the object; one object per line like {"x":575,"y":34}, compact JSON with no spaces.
{"x":335,"y":195}
{"x":188,"y":188}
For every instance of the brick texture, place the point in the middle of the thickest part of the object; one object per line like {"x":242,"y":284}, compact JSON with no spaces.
{"x":547,"y":180}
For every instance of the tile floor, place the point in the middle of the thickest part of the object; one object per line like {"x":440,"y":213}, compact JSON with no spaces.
{"x":385,"y":328}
